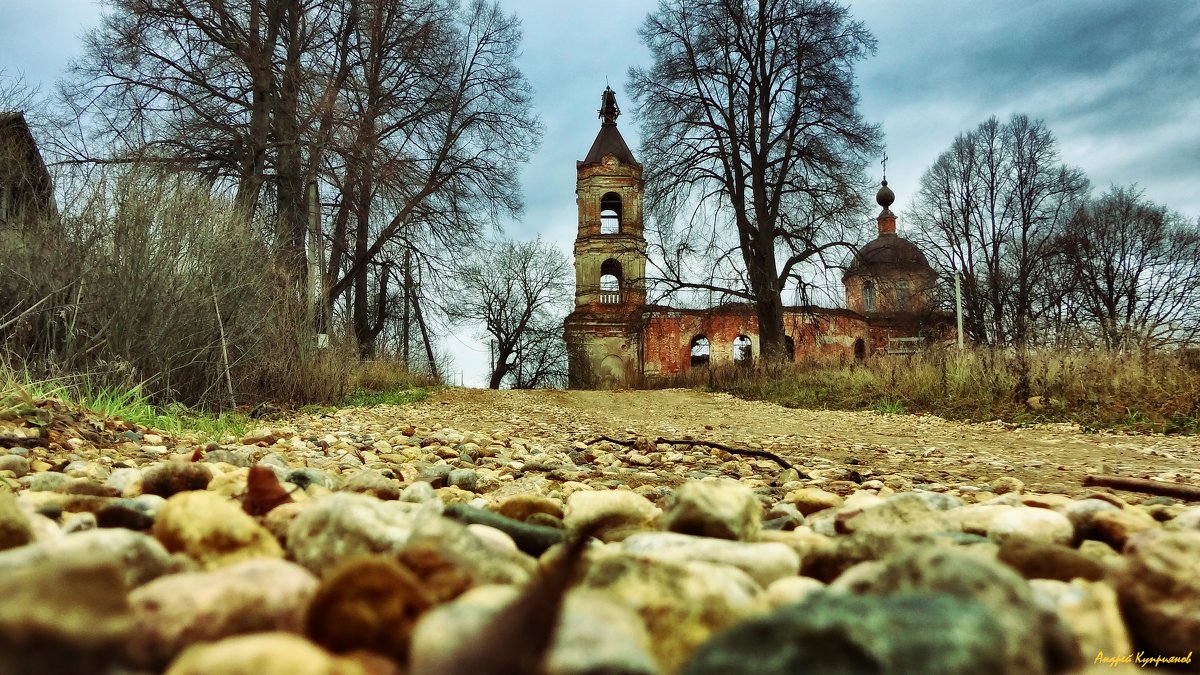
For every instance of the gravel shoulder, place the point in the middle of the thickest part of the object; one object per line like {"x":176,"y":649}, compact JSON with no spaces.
{"x":926,"y":449}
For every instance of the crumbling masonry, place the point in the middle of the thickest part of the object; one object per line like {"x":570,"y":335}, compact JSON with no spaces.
{"x":615,"y":339}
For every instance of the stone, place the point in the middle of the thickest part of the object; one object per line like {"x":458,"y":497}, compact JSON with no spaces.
{"x":141,"y":558}
{"x":930,"y":633}
{"x":46,"y":481}
{"x":724,"y":509}
{"x":828,"y":558}
{"x":64,"y":616}
{"x":212,"y":530}
{"x":1186,"y":520}
{"x":127,"y":481}
{"x":264,"y":492}
{"x":16,"y":464}
{"x":1026,"y":522}
{"x":811,"y":500}
{"x":1116,"y":527}
{"x":1081,"y":512}
{"x":976,"y":518}
{"x":439,"y":546}
{"x":1159,"y":592}
{"x":1036,"y":559}
{"x":15,"y":528}
{"x":529,"y":537}
{"x":783,"y":511}
{"x":274,"y":653}
{"x":614,"y":512}
{"x":465,"y":479}
{"x":179,"y":610}
{"x":1006,"y":485}
{"x":764,"y":562}
{"x":79,"y":522}
{"x":909,"y":512}
{"x":373,"y":483}
{"x":307,"y":476}
{"x":419,"y":493}
{"x":243,"y":457}
{"x":791,"y":590}
{"x":1032,"y":639}
{"x":682,"y":604}
{"x":1091,"y":613}
{"x":345,"y":524}
{"x":597,"y":634}
{"x":369,"y":603}
{"x":464,"y":618}
{"x":170,"y":478}
{"x":520,"y":507}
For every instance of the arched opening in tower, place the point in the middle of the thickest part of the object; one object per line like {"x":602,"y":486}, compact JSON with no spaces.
{"x":868,"y":296}
{"x":610,"y":213}
{"x":610,"y":282}
{"x":743,"y":350}
{"x":700,"y":351}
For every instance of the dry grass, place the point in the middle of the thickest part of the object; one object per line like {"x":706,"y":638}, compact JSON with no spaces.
{"x":151,"y":283}
{"x":1139,"y":391}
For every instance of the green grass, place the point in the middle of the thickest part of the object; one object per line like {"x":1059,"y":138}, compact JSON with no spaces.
{"x":18,"y":392}
{"x":363,"y":397}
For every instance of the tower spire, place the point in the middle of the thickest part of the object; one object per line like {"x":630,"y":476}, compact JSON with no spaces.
{"x":608,"y":107}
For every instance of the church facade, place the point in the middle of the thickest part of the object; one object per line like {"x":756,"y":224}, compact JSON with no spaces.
{"x":615,"y":339}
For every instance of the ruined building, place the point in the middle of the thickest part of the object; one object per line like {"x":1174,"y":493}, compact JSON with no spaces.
{"x":615,"y":339}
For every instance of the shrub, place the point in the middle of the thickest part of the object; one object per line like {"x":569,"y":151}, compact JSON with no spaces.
{"x":151,"y":281}
{"x":1139,"y":390}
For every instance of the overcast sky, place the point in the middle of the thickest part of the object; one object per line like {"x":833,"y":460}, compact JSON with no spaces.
{"x":1117,"y":81}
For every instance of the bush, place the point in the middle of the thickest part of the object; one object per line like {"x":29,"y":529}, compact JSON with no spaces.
{"x":1139,"y":390}
{"x":151,"y":281}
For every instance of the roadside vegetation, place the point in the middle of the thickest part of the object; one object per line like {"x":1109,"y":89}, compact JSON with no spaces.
{"x":1151,"y":391}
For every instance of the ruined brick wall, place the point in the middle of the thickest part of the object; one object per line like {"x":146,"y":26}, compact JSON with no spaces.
{"x":668,"y":334}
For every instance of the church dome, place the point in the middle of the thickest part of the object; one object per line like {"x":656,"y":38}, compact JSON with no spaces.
{"x":887,"y":251}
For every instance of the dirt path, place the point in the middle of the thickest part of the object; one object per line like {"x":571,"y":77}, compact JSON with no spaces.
{"x":926,"y":449}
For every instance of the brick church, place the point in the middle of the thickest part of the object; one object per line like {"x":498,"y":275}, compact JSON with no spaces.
{"x":615,"y":339}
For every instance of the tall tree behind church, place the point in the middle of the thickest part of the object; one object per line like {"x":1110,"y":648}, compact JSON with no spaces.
{"x":750,"y":127}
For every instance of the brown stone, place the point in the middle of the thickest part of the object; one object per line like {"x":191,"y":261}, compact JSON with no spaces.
{"x":368,"y":603}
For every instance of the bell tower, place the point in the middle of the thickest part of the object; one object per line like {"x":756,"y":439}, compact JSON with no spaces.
{"x":610,"y":260}
{"x":610,"y":246}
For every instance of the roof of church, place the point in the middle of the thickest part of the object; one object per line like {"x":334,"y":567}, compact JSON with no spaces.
{"x":890,"y":250}
{"x":609,"y":140}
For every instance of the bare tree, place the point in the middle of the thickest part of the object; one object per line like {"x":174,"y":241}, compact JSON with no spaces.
{"x":410,"y":116}
{"x":517,"y":291}
{"x":1136,"y":268}
{"x":227,"y":89}
{"x":437,"y":122}
{"x":750,"y":120}
{"x":993,"y":207}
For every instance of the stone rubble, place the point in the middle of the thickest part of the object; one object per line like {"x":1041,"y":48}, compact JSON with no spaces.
{"x":401,"y":532}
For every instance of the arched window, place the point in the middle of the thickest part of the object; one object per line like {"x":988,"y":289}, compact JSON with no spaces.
{"x":610,"y":213}
{"x":700,"y":351}
{"x":610,"y":282}
{"x":868,"y":296}
{"x":902,"y":296}
{"x":743,"y":350}
{"x":789,"y":346}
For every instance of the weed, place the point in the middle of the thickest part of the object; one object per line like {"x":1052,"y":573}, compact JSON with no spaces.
{"x":363,"y":398}
{"x":1136,"y":391}
{"x":890,"y":406}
